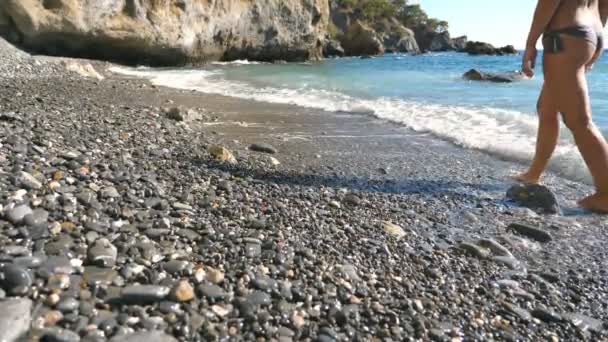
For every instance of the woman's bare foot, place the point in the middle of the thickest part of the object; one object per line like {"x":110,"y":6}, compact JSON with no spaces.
{"x":527,"y":178}
{"x":597,"y":203}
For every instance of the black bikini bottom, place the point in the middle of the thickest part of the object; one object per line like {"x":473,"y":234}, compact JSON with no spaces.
{"x":552,"y":41}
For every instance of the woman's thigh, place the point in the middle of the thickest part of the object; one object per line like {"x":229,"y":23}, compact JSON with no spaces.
{"x":565,"y":81}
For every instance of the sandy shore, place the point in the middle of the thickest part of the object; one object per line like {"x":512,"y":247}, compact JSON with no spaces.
{"x":303,"y":248}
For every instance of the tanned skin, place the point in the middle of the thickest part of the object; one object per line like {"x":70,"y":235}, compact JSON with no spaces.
{"x":565,"y":91}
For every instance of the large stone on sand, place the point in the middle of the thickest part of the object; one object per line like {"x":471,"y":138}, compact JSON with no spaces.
{"x":536,"y":197}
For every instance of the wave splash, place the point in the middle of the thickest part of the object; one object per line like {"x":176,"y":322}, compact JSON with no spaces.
{"x":504,"y":133}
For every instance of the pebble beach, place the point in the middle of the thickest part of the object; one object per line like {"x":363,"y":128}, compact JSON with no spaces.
{"x":131,"y":212}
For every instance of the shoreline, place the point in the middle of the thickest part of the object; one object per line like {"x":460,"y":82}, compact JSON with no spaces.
{"x":312,"y":225}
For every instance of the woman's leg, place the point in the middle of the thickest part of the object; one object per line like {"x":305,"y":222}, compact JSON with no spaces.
{"x":568,"y":84}
{"x":546,"y":140}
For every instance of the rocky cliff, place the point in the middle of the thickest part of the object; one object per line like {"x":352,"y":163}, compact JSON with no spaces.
{"x":358,"y":35}
{"x":168,"y":32}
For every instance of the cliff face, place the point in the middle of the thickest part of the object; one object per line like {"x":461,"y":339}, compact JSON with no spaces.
{"x":168,"y":32}
{"x":359,"y":36}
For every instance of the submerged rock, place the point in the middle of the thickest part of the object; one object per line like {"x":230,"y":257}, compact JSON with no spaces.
{"x":263,"y":148}
{"x":505,"y":77}
{"x":534,"y":196}
{"x":531,"y":232}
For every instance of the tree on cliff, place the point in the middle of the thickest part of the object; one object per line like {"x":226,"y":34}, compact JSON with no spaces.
{"x":412,"y":16}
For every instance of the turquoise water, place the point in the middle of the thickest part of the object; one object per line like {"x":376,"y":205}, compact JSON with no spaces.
{"x":426,"y":93}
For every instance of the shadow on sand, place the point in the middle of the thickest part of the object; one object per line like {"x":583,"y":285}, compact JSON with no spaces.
{"x":455,"y":189}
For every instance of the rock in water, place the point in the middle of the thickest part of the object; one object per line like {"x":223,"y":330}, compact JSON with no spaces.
{"x":536,"y":197}
{"x":531,"y":232}
{"x":264,"y":148}
{"x":220,"y":153}
{"x":15,"y":319}
{"x":171,"y":32}
{"x":505,"y":77}
{"x":480,"y":48}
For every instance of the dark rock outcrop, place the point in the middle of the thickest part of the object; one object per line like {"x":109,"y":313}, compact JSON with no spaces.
{"x":460,"y":43}
{"x":398,"y":38}
{"x":332,"y":48}
{"x":505,"y":77}
{"x":480,"y":48}
{"x":360,"y":39}
{"x":433,"y":41}
{"x":168,"y":32}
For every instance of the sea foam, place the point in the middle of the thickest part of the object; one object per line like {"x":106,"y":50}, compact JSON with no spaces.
{"x":504,"y":133}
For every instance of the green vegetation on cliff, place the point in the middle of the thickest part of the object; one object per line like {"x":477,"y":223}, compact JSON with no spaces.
{"x":410,"y":15}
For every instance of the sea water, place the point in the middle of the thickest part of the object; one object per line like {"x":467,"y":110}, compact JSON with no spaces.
{"x":426,"y":93}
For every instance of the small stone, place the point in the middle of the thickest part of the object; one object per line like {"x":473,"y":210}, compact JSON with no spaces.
{"x":221,"y":311}
{"x":99,"y":276}
{"x":531,"y":232}
{"x":222,"y":154}
{"x":393,"y":229}
{"x":57,"y":334}
{"x":18,"y":214}
{"x":335,"y":204}
{"x":28,"y":181}
{"x":298,"y":319}
{"x":58,"y":281}
{"x":181,"y":206}
{"x":510,"y":262}
{"x":259,"y":298}
{"x":547,"y":315}
{"x":495,"y":247}
{"x":352,"y":200}
{"x":15,"y":280}
{"x":109,"y":192}
{"x":212,"y":292}
{"x":145,"y":336}
{"x":585,"y":323}
{"x":518,"y":312}
{"x":144,"y":294}
{"x":274,"y":161}
{"x":214,"y":276}
{"x":175,"y":266}
{"x":182,"y":292}
{"x":263,"y":148}
{"x":37,"y":218}
{"x":52,"y":317}
{"x":15,"y":319}
{"x":474,"y":250}
{"x":68,"y":305}
{"x":103,"y":253}
{"x":18,"y":195}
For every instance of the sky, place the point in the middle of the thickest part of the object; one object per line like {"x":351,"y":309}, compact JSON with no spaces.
{"x":497,"y":22}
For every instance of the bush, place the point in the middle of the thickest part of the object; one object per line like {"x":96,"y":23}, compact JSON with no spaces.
{"x":412,"y":16}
